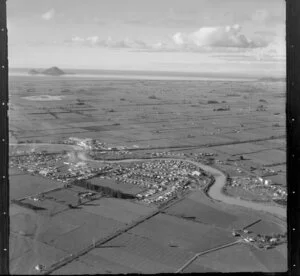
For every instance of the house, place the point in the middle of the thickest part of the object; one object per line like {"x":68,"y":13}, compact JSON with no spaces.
{"x":267,"y":182}
{"x":273,"y":240}
{"x":196,"y":173}
{"x":235,"y":234}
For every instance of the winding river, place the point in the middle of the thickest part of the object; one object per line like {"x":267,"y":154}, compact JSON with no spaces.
{"x":215,"y":191}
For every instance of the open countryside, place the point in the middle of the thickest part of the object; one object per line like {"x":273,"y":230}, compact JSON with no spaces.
{"x":130,"y":175}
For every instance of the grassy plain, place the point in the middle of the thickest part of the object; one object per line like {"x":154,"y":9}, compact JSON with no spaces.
{"x":159,"y":114}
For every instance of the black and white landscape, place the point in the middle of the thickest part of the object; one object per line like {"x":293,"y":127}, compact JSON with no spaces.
{"x":147,"y":136}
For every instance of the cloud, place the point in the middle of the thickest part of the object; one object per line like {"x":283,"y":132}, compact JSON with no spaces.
{"x":48,"y":15}
{"x":77,"y":39}
{"x":229,"y":36}
{"x":266,"y":33}
{"x":227,"y":43}
{"x":276,"y":50}
{"x":95,"y":41}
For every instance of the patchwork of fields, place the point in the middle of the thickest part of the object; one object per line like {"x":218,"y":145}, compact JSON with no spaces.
{"x":123,"y":236}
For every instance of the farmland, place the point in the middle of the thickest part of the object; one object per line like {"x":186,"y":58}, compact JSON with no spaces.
{"x":69,"y":228}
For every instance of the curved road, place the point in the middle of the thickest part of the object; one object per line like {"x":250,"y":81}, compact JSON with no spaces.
{"x":215,"y":191}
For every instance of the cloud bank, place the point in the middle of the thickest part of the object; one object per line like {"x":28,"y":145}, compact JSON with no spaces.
{"x":48,"y":15}
{"x":229,"y":36}
{"x":95,"y":41}
{"x":210,"y":40}
{"x":202,"y":39}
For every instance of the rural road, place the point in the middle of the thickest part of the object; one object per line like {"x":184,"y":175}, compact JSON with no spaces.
{"x":205,"y":252}
{"x":215,"y":191}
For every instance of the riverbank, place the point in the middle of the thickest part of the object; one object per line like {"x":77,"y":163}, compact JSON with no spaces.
{"x":214,"y":190}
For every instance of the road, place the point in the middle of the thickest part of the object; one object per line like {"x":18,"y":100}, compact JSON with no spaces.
{"x":214,"y":192}
{"x":205,"y":252}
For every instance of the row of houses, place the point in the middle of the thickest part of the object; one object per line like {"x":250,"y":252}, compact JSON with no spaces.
{"x":160,"y":178}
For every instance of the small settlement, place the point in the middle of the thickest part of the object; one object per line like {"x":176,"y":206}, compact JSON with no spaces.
{"x":259,"y":241}
{"x":264,"y":188}
{"x":159,"y":179}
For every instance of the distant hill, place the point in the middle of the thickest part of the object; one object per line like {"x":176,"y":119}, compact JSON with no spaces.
{"x":271,"y":79}
{"x":33,"y":72}
{"x":53,"y":71}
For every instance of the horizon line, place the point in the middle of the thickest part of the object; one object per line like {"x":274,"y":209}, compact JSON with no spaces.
{"x":168,"y":72}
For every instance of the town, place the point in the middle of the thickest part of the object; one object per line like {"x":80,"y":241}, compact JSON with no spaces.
{"x":160,"y":175}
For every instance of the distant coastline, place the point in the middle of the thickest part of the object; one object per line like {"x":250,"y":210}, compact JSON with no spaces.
{"x":139,"y":75}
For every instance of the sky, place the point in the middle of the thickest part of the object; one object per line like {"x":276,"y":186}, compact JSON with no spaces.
{"x":230,"y":36}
